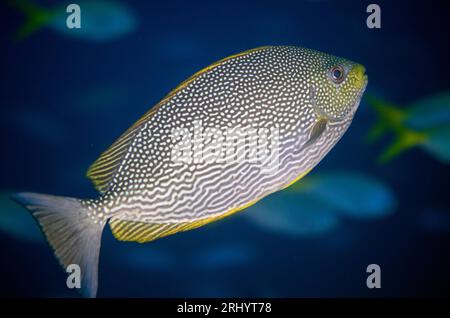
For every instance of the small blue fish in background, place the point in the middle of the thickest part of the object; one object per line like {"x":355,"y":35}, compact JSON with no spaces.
{"x":350,"y":194}
{"x":435,"y":221}
{"x":228,"y":255}
{"x":17,"y":224}
{"x":101,"y":20}
{"x":318,"y":204}
{"x":424,"y":124}
{"x":293,"y":214}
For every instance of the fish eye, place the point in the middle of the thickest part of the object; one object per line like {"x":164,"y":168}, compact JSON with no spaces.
{"x":337,"y":74}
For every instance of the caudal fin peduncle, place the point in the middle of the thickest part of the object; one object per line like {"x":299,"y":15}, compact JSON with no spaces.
{"x":73,"y":235}
{"x":391,"y":118}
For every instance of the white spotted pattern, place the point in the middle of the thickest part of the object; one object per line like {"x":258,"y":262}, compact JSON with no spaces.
{"x":284,"y":87}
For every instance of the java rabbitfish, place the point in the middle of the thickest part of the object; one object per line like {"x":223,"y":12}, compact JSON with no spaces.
{"x":310,"y":97}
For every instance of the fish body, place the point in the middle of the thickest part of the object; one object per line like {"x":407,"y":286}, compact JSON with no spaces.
{"x":173,"y":169}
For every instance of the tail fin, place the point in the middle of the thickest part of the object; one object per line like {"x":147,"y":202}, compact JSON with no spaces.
{"x":404,"y":141}
{"x":73,"y":235}
{"x":36,"y":17}
{"x":391,"y":118}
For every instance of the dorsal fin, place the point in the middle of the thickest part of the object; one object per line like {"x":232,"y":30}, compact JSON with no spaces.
{"x":104,"y":168}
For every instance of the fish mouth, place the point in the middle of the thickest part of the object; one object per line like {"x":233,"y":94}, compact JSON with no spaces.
{"x":365,"y":81}
{"x":359,"y":73}
{"x":362,"y":79}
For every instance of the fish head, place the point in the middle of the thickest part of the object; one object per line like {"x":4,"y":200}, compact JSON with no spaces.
{"x":336,"y":87}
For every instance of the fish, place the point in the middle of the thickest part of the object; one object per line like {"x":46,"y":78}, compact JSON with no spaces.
{"x":310,"y":218}
{"x":320,"y":203}
{"x":423,"y":124}
{"x":350,"y":194}
{"x":101,"y":20}
{"x":152,"y":182}
{"x":429,"y":112}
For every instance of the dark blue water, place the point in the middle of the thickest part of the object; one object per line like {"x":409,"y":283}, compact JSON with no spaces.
{"x":65,"y":99}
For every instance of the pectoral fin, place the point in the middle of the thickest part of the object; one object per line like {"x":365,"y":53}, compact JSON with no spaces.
{"x":316,"y":131}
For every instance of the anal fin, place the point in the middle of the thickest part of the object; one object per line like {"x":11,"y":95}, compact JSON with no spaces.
{"x":135,"y":231}
{"x":142,"y":232}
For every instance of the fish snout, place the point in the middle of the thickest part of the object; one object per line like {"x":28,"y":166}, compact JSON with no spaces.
{"x":359,"y":73}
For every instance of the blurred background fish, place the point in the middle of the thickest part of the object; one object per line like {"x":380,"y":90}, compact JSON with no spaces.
{"x":310,"y":218}
{"x":323,"y":201}
{"x":352,"y":194}
{"x":102,"y":20}
{"x":425,"y":124}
